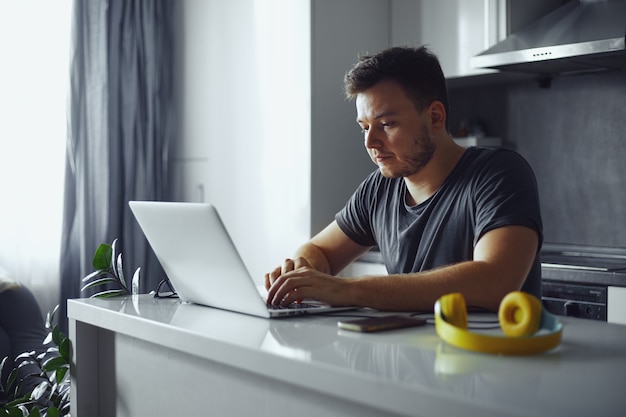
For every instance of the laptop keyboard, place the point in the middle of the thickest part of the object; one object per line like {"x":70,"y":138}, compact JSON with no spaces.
{"x":293,"y":306}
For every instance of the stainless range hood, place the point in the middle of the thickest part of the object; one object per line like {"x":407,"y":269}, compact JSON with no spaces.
{"x":582,"y":35}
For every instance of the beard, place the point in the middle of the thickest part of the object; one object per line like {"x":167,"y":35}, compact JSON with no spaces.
{"x":419,"y":154}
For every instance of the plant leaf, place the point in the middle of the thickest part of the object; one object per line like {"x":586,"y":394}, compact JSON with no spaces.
{"x":99,"y":282}
{"x":2,"y":365}
{"x":102,"y":257}
{"x":40,"y":390}
{"x":65,"y":400}
{"x":25,"y":355}
{"x":53,"y":412}
{"x":17,"y":408}
{"x":57,"y":335}
{"x":109,"y":293}
{"x":41,"y":373}
{"x":50,"y":317}
{"x":53,"y":364}
{"x":24,"y":410}
{"x":65,"y":348}
{"x":60,"y":374}
{"x":18,"y":401}
{"x":41,"y":356}
{"x":113,"y":256}
{"x":135,"y":282}
{"x":35,"y":412}
{"x":120,"y":272}
{"x":48,"y":338}
{"x":11,"y":380}
{"x":98,"y":273}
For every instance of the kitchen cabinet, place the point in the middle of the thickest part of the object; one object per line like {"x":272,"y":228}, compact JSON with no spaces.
{"x":616,"y":305}
{"x":456,"y":30}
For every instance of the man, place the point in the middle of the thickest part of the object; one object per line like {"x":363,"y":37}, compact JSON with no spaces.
{"x":445,"y":218}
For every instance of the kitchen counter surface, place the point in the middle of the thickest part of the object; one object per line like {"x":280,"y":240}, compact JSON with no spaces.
{"x":408,"y":372}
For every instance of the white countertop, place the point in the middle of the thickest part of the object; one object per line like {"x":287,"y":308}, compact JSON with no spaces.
{"x":408,"y":371}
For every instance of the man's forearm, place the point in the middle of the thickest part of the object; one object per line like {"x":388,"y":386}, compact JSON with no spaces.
{"x":477,"y":281}
{"x":315,"y":257}
{"x":503,"y":258}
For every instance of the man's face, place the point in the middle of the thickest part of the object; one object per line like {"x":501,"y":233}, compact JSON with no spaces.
{"x":396,"y":136}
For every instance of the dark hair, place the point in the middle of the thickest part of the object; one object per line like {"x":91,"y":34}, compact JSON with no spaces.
{"x":417,"y":70}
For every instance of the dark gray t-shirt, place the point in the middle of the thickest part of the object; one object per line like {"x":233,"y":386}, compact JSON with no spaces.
{"x":488,"y":188}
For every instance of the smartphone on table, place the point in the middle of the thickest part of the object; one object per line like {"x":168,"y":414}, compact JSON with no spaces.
{"x":377,"y":324}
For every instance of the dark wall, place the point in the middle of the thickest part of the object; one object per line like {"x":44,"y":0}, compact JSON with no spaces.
{"x":574,"y":136}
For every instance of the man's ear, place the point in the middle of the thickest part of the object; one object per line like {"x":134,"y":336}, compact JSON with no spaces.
{"x":438,"y":115}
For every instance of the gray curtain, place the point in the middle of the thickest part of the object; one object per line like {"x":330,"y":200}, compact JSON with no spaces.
{"x":120,"y":125}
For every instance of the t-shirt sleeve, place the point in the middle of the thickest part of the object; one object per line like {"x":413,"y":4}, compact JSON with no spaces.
{"x":507,"y":195}
{"x":355,"y":219}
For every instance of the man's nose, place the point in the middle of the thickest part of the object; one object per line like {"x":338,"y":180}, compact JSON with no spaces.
{"x":371,"y":139}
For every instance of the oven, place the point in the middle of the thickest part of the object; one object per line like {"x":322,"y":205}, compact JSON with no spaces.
{"x":576,"y":279}
{"x":576,"y":300}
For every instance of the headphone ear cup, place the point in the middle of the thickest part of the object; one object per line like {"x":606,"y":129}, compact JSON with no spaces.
{"x":453,"y":309}
{"x":519,"y":314}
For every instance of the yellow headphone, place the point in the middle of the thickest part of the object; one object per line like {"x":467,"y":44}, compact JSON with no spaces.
{"x":520,"y":316}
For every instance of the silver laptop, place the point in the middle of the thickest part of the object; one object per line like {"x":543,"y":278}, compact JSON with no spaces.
{"x":200,"y":259}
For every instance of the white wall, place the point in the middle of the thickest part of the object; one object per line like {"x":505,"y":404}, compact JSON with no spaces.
{"x":244,"y":99}
{"x":266,"y":134}
{"x":341,"y":31}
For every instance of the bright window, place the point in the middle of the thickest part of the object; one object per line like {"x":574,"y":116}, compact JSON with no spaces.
{"x":34,"y":51}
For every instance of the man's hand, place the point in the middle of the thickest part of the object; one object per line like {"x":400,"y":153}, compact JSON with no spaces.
{"x":296,"y":280}
{"x":310,"y":274}
{"x":287,"y":266}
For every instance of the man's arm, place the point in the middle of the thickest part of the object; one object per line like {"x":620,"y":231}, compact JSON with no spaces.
{"x":503,"y":258}
{"x":329,"y":252}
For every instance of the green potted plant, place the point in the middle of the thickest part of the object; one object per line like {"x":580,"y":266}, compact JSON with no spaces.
{"x":51,"y":396}
{"x":109,"y":271}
